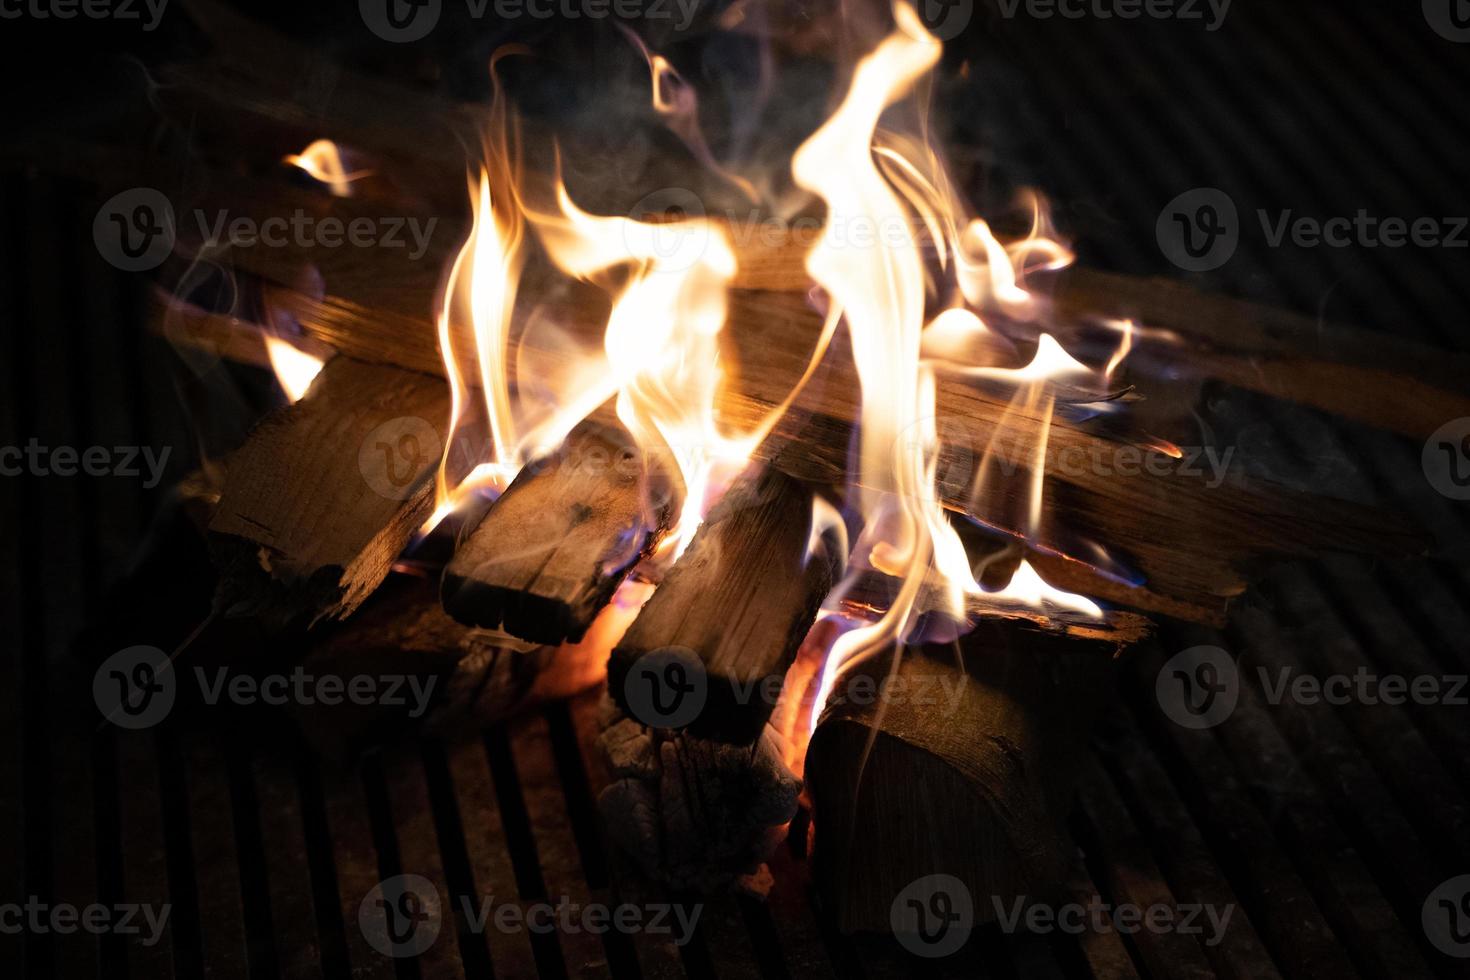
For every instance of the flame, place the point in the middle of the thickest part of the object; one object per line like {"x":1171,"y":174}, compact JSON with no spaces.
{"x":659,"y":362}
{"x":323,"y":161}
{"x":1126,"y":329}
{"x":676,"y":103}
{"x":827,"y":524}
{"x":660,"y":358}
{"x":662,"y":340}
{"x":295,"y":369}
{"x":866,"y":176}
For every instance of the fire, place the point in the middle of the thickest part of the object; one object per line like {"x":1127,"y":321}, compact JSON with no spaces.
{"x":662,"y":339}
{"x":323,"y":161}
{"x":482,"y":288}
{"x":866,"y":176}
{"x":918,"y":308}
{"x":295,"y":369}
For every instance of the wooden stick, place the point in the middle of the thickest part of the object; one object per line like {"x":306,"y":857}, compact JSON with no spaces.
{"x":325,"y":494}
{"x":956,"y":770}
{"x":554,"y":548}
{"x":740,"y":599}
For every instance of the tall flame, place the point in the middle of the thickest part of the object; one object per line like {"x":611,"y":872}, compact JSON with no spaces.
{"x":866,"y":177}
{"x":662,"y":338}
{"x":659,"y":362}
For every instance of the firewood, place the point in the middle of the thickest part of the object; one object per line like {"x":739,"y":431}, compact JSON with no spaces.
{"x":471,"y":677}
{"x":962,"y":770}
{"x":740,"y":599}
{"x":325,"y":493}
{"x":1387,"y":382}
{"x":694,"y":813}
{"x":1216,"y":532}
{"x":1191,"y":573}
{"x":554,"y":548}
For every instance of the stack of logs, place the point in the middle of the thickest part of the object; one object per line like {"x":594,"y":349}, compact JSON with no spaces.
{"x":326,"y":495}
{"x":968,"y":774}
{"x":971,"y":778}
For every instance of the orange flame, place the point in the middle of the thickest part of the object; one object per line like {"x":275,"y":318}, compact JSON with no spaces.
{"x":323,"y":161}
{"x":294,"y":368}
{"x":866,"y":176}
{"x":659,"y":362}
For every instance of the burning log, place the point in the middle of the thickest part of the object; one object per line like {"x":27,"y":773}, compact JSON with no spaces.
{"x":324,"y":494}
{"x":929,"y":767}
{"x":554,"y":548}
{"x":1336,"y":368}
{"x":695,"y":813}
{"x":740,"y":599}
{"x":1218,"y":531}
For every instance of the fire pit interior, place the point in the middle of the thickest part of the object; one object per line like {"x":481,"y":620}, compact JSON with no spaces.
{"x":751,"y":489}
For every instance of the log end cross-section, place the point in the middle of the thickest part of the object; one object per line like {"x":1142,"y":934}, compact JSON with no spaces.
{"x":325,"y":494}
{"x":555,"y":547}
{"x":965,"y":771}
{"x":740,"y":599}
